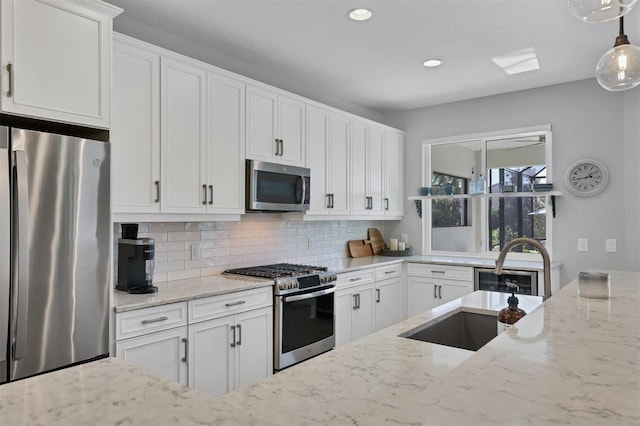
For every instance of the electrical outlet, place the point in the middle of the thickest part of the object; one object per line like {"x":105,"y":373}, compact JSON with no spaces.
{"x":583,"y":244}
{"x":195,"y":252}
{"x":309,"y":243}
{"x":610,"y":245}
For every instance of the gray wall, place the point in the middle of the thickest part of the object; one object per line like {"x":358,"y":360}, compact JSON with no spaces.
{"x":587,"y":122}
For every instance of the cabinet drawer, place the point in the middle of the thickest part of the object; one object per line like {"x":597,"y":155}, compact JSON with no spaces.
{"x":440,"y":271}
{"x":350,"y":279}
{"x":149,"y":320}
{"x":230,"y":303}
{"x":391,"y":271}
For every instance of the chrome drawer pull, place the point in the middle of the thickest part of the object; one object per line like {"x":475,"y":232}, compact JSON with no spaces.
{"x":239,"y":302}
{"x":159,"y":319}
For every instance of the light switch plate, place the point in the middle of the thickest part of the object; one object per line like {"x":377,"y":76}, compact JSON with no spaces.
{"x":195,"y":252}
{"x":583,"y":244}
{"x":610,"y":245}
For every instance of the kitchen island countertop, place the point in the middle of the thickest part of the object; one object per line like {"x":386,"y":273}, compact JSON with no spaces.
{"x":571,"y":361}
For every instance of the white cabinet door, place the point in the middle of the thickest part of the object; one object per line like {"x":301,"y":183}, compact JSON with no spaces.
{"x":450,"y":289}
{"x":363,"y":314}
{"x":291,"y":116}
{"x":389,"y":302}
{"x":338,"y":164}
{"x":374,"y":179}
{"x":422,"y":294}
{"x":261,"y":124}
{"x":211,"y":357}
{"x":135,"y":129}
{"x":60,"y":58}
{"x":163,"y":353}
{"x":358,"y":173}
{"x":393,"y":174}
{"x":344,"y":305}
{"x":318,"y":160}
{"x":226,"y":169}
{"x":183,"y":137}
{"x":254,"y":346}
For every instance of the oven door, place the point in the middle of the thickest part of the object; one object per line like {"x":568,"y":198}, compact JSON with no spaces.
{"x":527,"y":281}
{"x":304,"y":326}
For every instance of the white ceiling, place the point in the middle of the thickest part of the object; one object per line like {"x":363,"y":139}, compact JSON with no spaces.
{"x":310,"y":47}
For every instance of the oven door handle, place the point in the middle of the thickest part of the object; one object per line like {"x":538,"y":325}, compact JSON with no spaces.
{"x":310,"y":295}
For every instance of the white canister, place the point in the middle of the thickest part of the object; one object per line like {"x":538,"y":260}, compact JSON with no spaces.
{"x":402,"y":246}
{"x":393,"y":244}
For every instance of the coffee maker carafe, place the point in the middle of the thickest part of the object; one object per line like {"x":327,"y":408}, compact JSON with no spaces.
{"x":135,"y":261}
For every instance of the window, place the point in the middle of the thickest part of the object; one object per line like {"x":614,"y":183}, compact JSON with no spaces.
{"x":511,"y":218}
{"x":449,"y":212}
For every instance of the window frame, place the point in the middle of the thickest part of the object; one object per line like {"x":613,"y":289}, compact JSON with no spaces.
{"x":482,"y":246}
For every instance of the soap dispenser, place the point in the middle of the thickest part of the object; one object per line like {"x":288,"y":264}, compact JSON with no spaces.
{"x":510,"y":314}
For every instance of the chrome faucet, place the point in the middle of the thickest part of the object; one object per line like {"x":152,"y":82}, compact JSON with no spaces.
{"x":545,"y":257}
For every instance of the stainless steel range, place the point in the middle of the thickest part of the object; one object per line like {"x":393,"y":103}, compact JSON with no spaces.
{"x":304,"y":316}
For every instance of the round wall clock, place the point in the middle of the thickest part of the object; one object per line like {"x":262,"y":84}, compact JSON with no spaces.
{"x":586,"y":178}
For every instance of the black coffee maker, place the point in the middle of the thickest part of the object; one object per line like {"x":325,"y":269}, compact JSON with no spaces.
{"x":135,"y":261}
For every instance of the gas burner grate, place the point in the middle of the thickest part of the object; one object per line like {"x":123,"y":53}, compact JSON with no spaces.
{"x":278,"y":270}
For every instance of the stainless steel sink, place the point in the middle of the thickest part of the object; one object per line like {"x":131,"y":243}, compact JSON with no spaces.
{"x":464,"y":330}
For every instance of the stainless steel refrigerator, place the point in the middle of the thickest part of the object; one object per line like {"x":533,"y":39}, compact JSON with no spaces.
{"x":54,"y":251}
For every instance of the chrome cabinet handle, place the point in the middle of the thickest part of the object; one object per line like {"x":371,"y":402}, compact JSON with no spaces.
{"x":377,"y":295}
{"x":233,"y":340}
{"x":239,"y":302}
{"x":159,"y":319}
{"x":10,"y":89}
{"x":440,"y":292}
{"x":355,"y":301}
{"x":239,"y":328}
{"x":204,"y":192}
{"x":157,"y":184}
{"x":186,"y":350}
{"x":435,"y":289}
{"x":355,"y":279}
{"x":386,"y":204}
{"x":210,"y":194}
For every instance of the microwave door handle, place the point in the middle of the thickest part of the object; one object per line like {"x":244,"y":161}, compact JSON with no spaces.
{"x":303,"y":183}
{"x":21,"y":227}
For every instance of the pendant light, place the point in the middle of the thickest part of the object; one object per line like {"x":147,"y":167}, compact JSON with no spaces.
{"x":619,"y":68}
{"x":592,"y":11}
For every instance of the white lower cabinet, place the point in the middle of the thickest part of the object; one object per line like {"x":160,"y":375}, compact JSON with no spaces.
{"x":163,"y":353}
{"x":214,"y":344}
{"x":231,"y":352}
{"x":430,"y":285}
{"x":367,"y":301}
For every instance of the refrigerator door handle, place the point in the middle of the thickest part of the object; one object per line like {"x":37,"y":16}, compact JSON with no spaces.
{"x":21,"y":228}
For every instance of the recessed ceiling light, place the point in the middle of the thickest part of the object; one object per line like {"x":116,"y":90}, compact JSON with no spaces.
{"x":360,"y":14}
{"x":431,"y":63}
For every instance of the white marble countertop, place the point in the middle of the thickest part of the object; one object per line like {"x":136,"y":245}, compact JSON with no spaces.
{"x":181,"y":290}
{"x":467,"y":260}
{"x":570,"y":361}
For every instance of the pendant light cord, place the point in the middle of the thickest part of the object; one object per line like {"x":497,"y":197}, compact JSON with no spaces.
{"x":622,"y":38}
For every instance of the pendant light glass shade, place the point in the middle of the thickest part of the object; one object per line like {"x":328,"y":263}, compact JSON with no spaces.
{"x":619,"y":68}
{"x":593,"y":11}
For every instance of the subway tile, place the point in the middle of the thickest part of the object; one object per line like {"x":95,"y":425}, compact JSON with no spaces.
{"x":159,"y":237}
{"x":166,"y":227}
{"x":183,"y":275}
{"x":158,"y":256}
{"x":228,"y":225}
{"x":191,"y":264}
{"x":159,"y":277}
{"x":214,"y":235}
{"x":241,"y":250}
{"x":178,"y":255}
{"x":212,"y":270}
{"x":174,"y":246}
{"x":215,"y":252}
{"x":176,"y":265}
{"x":253,"y":225}
{"x":200,"y":226}
{"x":257,"y":241}
{"x":184,"y":236}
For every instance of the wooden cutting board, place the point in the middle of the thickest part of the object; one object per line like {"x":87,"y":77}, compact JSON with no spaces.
{"x":360,"y":248}
{"x":377,"y":242}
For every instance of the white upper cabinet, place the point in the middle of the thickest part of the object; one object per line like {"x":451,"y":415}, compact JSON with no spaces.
{"x":183,"y":118}
{"x":275,"y":127}
{"x":56,"y":60}
{"x":367,"y":144}
{"x":327,"y":140}
{"x":135,"y":132}
{"x":393,"y":202}
{"x":225,"y":151}
{"x":177,"y":141}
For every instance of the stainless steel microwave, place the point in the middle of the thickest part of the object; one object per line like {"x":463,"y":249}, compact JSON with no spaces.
{"x":277,"y":187}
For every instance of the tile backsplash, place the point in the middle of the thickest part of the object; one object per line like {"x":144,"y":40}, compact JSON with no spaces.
{"x":194,"y":249}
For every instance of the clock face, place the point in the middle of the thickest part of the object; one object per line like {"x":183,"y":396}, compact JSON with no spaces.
{"x":586,"y":177}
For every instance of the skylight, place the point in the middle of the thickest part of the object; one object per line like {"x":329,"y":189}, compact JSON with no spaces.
{"x":518,"y":62}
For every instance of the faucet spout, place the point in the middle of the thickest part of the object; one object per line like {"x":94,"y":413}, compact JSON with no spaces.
{"x":545,"y":257}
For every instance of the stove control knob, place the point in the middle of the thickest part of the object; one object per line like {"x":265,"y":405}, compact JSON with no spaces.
{"x":282,"y":286}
